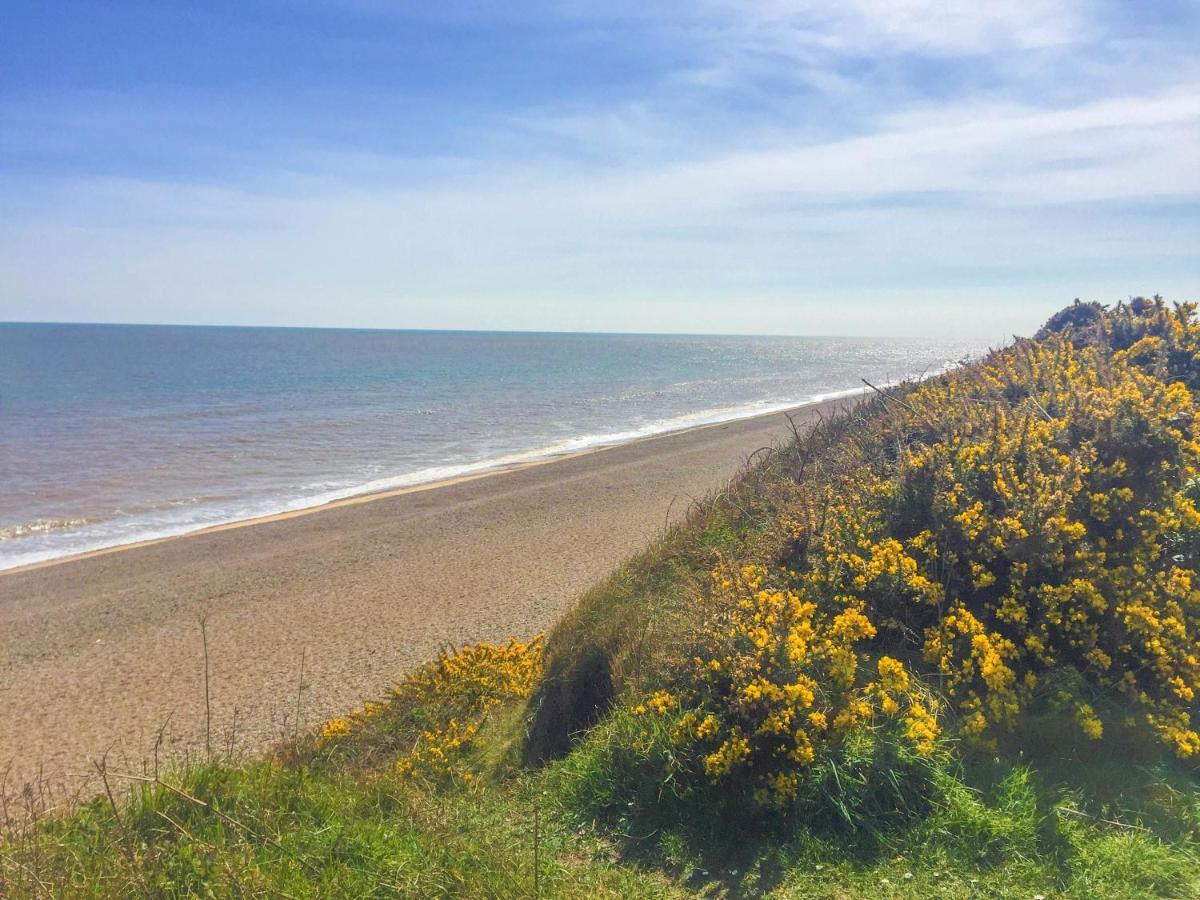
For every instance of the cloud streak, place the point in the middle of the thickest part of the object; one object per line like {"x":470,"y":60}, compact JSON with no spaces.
{"x":726,"y":201}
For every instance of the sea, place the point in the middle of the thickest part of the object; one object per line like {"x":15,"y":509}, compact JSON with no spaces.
{"x":113,"y":434}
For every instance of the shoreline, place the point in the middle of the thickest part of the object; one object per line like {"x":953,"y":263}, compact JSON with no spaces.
{"x":487,"y":469}
{"x":101,"y":652}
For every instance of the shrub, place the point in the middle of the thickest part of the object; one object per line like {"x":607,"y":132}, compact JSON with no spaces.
{"x":437,"y":711}
{"x":1032,"y":513}
{"x":777,"y":682}
{"x":1025,"y":525}
{"x":1078,"y":319}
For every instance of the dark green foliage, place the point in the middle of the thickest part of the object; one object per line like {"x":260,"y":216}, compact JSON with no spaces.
{"x":1079,"y":318}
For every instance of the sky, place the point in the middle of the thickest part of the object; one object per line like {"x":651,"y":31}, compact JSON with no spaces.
{"x":865,"y":167}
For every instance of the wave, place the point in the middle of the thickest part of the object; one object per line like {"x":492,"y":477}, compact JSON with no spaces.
{"x":38,"y":526}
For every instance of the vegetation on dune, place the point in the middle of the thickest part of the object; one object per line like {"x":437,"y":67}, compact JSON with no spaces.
{"x":945,"y":645}
{"x":435,"y":714}
{"x":1018,"y":531}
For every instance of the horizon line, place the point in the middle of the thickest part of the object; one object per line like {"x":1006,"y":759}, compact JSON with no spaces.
{"x":431,"y":330}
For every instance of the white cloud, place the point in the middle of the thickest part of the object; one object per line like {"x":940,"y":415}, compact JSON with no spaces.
{"x":644,"y":214}
{"x":776,"y":231}
{"x":860,"y":25}
{"x":928,"y":25}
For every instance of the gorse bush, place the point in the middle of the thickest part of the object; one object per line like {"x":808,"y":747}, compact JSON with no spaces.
{"x":434,"y":715}
{"x":1164,"y":340}
{"x":1030,"y":515}
{"x":776,"y":681}
{"x":1026,"y":525}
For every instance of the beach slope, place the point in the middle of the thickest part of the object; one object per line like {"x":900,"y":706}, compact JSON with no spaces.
{"x":101,"y":653}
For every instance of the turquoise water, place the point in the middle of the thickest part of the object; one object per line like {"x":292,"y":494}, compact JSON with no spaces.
{"x":111,"y":434}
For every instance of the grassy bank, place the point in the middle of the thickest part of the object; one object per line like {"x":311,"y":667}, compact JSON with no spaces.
{"x":943,"y":645}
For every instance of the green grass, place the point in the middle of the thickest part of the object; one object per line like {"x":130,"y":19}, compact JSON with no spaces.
{"x":882,"y":825}
{"x":987,"y":828}
{"x":266,"y":830}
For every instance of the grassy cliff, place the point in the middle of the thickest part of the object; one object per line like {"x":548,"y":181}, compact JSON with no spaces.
{"x":943,"y":645}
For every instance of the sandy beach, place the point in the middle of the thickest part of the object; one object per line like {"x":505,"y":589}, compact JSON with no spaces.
{"x":99,"y":653}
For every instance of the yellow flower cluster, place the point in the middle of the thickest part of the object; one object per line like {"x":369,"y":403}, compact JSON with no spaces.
{"x":920,"y":727}
{"x":469,"y":683}
{"x":436,"y":752}
{"x":452,"y":698}
{"x":485,"y":673}
{"x":1089,"y":722}
{"x":1037,"y":511}
{"x":776,"y":680}
{"x":336,"y":728}
{"x":1032,"y":512}
{"x":661,"y":702}
{"x":342,"y":726}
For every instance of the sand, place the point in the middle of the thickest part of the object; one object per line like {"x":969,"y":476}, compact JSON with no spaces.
{"x":98,"y":653}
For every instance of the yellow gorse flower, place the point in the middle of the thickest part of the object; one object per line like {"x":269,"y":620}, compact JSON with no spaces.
{"x":335,"y":728}
{"x":1031,"y":512}
{"x":483,"y":676}
{"x":1040,"y":494}
{"x":773,"y":675}
{"x":471,"y":681}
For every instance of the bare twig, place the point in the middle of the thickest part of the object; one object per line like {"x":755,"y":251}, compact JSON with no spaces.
{"x":178,"y":826}
{"x":231,"y":743}
{"x":1076,"y":812}
{"x":886,"y":396}
{"x":299,"y":693}
{"x":102,"y":769}
{"x":123,"y":841}
{"x":207,"y":698}
{"x":792,"y":424}
{"x":537,"y":884}
{"x":41,"y":885}
{"x":667,"y":517}
{"x":158,"y":741}
{"x":1032,"y":399}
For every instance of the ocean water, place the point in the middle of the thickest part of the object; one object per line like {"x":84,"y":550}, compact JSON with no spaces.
{"x":111,"y":434}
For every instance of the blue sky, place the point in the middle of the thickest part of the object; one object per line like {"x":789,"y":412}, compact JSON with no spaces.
{"x":864,"y":167}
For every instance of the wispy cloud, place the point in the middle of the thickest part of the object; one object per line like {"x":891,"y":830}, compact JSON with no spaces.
{"x":780,"y":167}
{"x":872,"y":26}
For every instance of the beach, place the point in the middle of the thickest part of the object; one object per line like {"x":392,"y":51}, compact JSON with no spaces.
{"x":104,"y":654}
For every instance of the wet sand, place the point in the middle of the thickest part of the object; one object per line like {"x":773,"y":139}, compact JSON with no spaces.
{"x":97,"y":653}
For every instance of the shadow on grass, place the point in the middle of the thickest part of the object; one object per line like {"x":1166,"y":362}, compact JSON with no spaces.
{"x":662,"y":814}
{"x":1001,"y":817}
